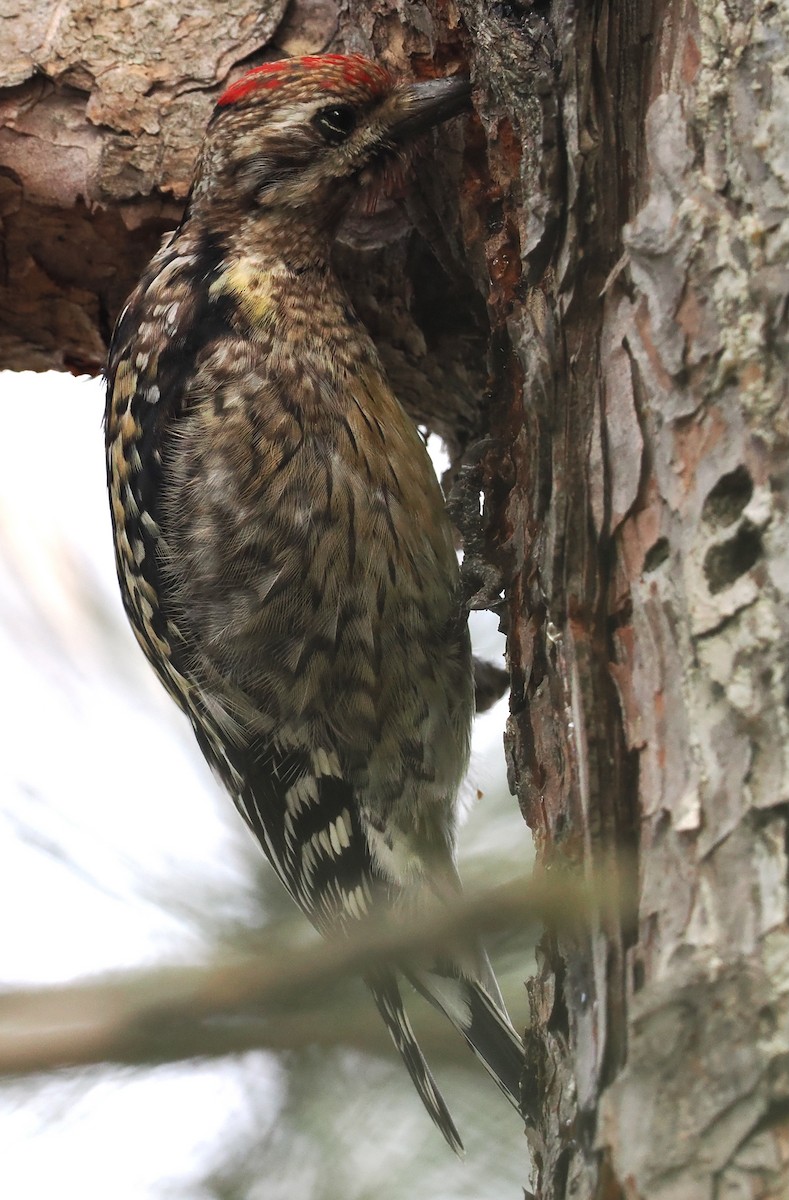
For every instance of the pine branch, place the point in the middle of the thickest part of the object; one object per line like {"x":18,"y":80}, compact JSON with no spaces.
{"x":168,"y":1014}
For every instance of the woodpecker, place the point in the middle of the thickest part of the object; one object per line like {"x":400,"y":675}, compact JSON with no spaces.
{"x":282,"y":546}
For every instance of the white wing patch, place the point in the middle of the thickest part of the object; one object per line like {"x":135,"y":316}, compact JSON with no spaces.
{"x":324,"y":763}
{"x":356,"y":902}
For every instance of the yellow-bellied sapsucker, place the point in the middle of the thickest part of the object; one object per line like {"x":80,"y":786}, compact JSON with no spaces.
{"x":282,"y":546}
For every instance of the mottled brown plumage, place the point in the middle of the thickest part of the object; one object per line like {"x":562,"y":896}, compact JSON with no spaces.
{"x":282,"y":546}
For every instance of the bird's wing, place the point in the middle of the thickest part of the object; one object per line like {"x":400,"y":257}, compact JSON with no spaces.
{"x":243,"y":618}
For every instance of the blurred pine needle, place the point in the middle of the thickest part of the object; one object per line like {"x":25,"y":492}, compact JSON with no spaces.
{"x":275,"y":997}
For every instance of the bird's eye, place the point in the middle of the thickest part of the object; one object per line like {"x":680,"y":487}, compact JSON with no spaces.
{"x":335,"y":123}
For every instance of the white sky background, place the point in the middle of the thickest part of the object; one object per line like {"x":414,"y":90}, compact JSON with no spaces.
{"x":107,"y":811}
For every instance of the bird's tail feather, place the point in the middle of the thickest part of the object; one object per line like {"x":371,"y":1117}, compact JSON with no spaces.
{"x":386,"y":994}
{"x":483,"y":1023}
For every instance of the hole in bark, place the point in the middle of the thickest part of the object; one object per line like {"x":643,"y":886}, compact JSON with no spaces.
{"x":777,"y":1114}
{"x":768,"y":1023}
{"x":728,"y":498}
{"x":656,"y":555}
{"x":727,"y":562}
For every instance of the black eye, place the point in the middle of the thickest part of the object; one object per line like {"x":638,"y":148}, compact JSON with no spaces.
{"x":335,"y":123}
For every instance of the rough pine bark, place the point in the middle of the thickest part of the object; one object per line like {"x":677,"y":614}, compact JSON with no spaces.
{"x":588,"y":299}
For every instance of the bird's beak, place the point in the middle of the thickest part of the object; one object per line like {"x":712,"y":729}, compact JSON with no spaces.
{"x":420,"y":106}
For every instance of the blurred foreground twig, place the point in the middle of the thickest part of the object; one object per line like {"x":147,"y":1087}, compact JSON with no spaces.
{"x":166,"y":1014}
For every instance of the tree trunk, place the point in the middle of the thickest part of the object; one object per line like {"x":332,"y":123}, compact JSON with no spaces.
{"x":597,"y":285}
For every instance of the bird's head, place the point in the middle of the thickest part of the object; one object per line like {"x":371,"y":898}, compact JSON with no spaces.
{"x":302,"y":138}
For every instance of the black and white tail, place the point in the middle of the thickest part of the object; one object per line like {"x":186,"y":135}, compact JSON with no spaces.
{"x":482,"y":1021}
{"x":479,"y":1018}
{"x":386,"y":994}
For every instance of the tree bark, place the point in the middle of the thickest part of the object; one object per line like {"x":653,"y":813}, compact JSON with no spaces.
{"x":643,"y":396}
{"x":596,"y":283}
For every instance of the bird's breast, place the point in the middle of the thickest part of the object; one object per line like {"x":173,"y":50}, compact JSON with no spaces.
{"x":301,"y":543}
